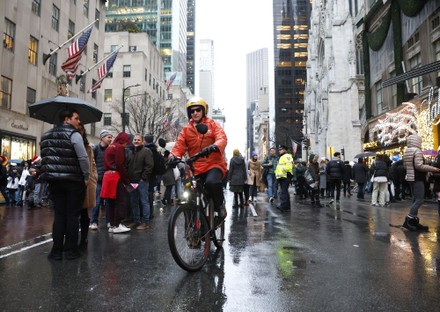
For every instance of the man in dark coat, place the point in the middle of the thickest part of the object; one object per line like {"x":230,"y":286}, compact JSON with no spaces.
{"x":360,"y":171}
{"x":335,"y":170}
{"x":65,"y":166}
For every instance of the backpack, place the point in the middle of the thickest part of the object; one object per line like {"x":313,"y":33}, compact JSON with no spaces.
{"x":159,"y":163}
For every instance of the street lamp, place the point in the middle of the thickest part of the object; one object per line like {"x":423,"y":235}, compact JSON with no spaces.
{"x":123,"y":104}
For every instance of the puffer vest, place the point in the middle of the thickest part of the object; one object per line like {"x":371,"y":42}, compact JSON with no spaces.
{"x":59,"y":157}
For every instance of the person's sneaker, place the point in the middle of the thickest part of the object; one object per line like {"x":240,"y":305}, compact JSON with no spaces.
{"x":121,"y":229}
{"x":111,"y":228}
{"x":109,"y":225}
{"x":93,"y":226}
{"x":331,"y":201}
{"x":271,"y":199}
{"x":142,"y":226}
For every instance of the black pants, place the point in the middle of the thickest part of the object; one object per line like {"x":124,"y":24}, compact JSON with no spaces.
{"x":335,"y":184}
{"x":67,"y":198}
{"x":214,"y":186}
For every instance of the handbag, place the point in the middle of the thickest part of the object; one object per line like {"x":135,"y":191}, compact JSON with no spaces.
{"x":372,"y":177}
{"x":308,"y":177}
{"x":110,"y":184}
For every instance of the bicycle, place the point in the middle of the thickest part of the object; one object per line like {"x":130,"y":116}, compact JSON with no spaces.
{"x":194,"y":223}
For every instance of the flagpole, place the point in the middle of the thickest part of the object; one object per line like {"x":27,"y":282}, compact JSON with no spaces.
{"x":78,"y":77}
{"x":47,"y":56}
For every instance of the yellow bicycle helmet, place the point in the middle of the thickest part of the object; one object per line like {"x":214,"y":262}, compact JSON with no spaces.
{"x":196,"y":101}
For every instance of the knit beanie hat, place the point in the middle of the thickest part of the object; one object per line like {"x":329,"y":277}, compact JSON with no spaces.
{"x":104,"y":133}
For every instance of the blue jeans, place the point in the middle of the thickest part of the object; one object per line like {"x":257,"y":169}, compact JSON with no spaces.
{"x":140,"y":194}
{"x":272,"y":185}
{"x":95,"y":210}
{"x":418,"y":194}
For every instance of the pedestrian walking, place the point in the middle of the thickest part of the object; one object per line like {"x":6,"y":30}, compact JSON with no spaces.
{"x":269,"y":164}
{"x":416,"y":170}
{"x":335,"y":171}
{"x":360,"y":173}
{"x":283,"y":173}
{"x":90,"y":197}
{"x":12,"y":185}
{"x":237,"y":177}
{"x":116,"y":182}
{"x":346,"y":180}
{"x":169,"y":181}
{"x":254,"y":176}
{"x":98,"y":154}
{"x":323,"y":177}
{"x":140,"y":168}
{"x":66,"y":167}
{"x":379,"y":170}
{"x":158,"y":170}
{"x":22,"y":182}
{"x":314,"y":187}
{"x":4,"y":179}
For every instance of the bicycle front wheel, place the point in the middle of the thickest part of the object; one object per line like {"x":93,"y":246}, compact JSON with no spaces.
{"x":188,"y":237}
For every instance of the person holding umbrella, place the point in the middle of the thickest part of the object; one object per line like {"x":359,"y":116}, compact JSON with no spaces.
{"x":65,"y":166}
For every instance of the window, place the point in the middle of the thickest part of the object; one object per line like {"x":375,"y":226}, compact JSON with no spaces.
{"x":36,"y":7}
{"x":437,"y":56}
{"x":53,"y":64}
{"x":146,"y":75}
{"x":82,"y":83}
{"x":435,"y":22}
{"x":379,"y":99}
{"x":107,"y":119}
{"x":33,"y":49}
{"x":71,"y":30}
{"x":55,"y":17}
{"x":5,"y":92}
{"x":86,"y":8}
{"x":93,"y":93}
{"x":95,"y":53}
{"x":110,"y":73}
{"x":108,"y":95}
{"x":132,"y":48}
{"x":9,"y":35}
{"x":31,"y":97}
{"x":97,"y":17}
{"x":416,"y":84}
{"x":393,"y":91}
{"x":113,"y":48}
{"x":127,"y":71}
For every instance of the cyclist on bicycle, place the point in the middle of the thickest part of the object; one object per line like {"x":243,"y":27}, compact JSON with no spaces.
{"x":212,"y":168}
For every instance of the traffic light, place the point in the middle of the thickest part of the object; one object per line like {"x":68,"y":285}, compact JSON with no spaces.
{"x":342,"y":152}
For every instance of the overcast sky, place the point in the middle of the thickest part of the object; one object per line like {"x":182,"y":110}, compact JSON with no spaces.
{"x":237,"y":27}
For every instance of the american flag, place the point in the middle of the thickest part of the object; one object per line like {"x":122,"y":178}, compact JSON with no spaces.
{"x":167,"y":120}
{"x":170,"y":81}
{"x":103,"y":71}
{"x":74,"y":52}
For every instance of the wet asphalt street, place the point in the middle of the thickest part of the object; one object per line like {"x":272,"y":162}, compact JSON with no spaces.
{"x":346,"y":257}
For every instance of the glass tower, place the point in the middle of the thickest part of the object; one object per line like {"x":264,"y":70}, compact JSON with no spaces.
{"x":291,"y":26}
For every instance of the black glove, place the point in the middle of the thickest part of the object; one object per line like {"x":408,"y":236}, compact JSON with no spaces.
{"x":172,"y":161}
{"x":208,"y":150}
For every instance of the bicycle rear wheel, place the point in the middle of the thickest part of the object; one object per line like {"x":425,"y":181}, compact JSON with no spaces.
{"x":188,"y":237}
{"x":216,"y":223}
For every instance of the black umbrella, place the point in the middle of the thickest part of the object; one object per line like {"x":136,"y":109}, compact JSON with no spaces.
{"x":365,"y":154}
{"x":48,"y":109}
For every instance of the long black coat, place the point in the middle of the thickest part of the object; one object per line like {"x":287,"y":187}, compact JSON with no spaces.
{"x":237,"y":171}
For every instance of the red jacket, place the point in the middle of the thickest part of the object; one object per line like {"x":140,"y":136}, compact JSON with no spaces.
{"x":191,"y":141}
{"x":114,"y":157}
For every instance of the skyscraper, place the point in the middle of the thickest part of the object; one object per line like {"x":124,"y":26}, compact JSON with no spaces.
{"x":206,"y":73}
{"x":291,"y":25}
{"x":165,"y":21}
{"x":191,"y":45}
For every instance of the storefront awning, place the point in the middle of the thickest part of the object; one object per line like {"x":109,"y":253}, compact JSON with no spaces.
{"x":420,"y":71}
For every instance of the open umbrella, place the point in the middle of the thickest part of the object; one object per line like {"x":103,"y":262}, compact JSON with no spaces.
{"x":365,"y":154}
{"x":48,"y":109}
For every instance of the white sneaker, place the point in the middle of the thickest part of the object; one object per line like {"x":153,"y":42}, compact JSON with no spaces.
{"x":109,"y":225}
{"x":111,"y":228}
{"x":121,"y":229}
{"x":93,"y":226}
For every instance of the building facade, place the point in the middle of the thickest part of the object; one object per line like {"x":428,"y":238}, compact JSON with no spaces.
{"x":334,"y":92}
{"x":165,"y":21}
{"x":206,"y":72}
{"x":31,"y":29}
{"x":291,"y":26}
{"x":191,"y":46}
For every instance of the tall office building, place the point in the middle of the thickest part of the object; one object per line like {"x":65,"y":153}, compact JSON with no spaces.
{"x":165,"y":21}
{"x":291,"y":25}
{"x":206,"y":71}
{"x":191,"y":45}
{"x":256,"y":74}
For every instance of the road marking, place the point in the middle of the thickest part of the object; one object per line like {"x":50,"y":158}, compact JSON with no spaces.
{"x":254,"y":213}
{"x":14,"y":251}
